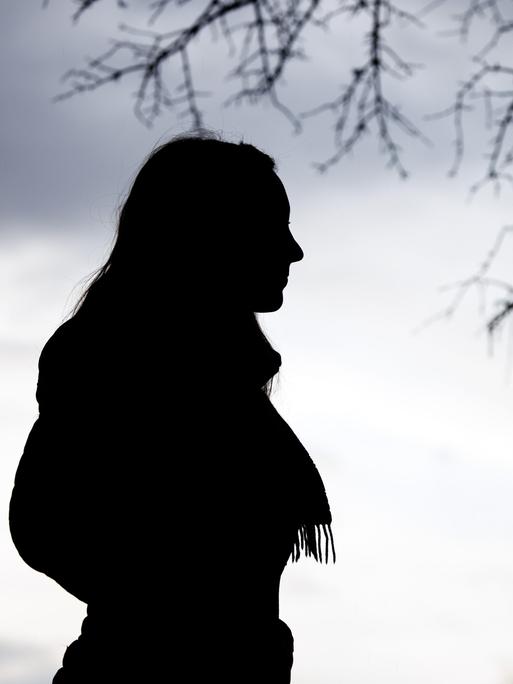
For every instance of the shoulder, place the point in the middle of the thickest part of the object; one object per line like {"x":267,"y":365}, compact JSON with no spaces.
{"x":68,"y":339}
{"x":64,"y":361}
{"x":62,"y":333}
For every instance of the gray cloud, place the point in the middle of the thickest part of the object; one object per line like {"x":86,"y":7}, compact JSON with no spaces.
{"x":23,"y":662}
{"x":66,"y":164}
{"x":18,"y":650}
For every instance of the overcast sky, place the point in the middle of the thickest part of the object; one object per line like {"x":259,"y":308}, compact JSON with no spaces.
{"x":412,"y":433}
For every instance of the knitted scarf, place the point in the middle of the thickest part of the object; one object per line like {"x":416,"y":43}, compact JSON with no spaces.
{"x":307,"y":502}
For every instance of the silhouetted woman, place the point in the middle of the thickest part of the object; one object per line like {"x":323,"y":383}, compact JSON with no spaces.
{"x":159,"y":484}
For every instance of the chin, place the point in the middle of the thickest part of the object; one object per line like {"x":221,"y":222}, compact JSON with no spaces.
{"x":270,"y":304}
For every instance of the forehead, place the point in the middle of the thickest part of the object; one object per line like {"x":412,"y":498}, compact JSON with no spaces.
{"x":271,"y":193}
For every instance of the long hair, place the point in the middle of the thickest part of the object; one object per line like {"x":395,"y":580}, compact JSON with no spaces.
{"x":198,"y":180}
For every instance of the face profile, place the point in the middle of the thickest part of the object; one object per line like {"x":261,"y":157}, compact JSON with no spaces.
{"x":222,"y":239}
{"x":271,"y":247}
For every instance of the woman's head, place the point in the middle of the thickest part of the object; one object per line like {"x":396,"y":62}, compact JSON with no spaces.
{"x":204,"y":228}
{"x":208,"y":219}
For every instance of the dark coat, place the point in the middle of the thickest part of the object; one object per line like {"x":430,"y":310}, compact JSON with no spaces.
{"x":168,"y":496}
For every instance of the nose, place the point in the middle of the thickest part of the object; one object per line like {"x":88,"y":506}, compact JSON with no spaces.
{"x":296,"y":253}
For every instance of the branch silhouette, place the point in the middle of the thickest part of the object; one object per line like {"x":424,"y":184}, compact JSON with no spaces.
{"x":491,"y":82}
{"x":483,"y":282}
{"x":264,"y":38}
{"x":363,"y":101}
{"x":267,"y":39}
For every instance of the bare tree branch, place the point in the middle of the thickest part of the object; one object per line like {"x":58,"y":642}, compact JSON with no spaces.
{"x":499,"y":116}
{"x":482,"y":281}
{"x":363,"y":101}
{"x":264,"y":37}
{"x":84,"y":5}
{"x":270,"y":41}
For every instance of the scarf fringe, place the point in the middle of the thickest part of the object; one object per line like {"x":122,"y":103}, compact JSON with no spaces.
{"x":309,"y":540}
